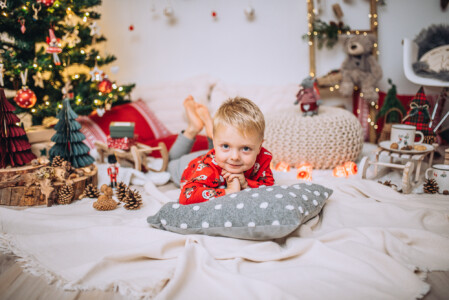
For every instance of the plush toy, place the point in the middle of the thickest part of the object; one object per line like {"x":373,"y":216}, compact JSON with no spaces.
{"x":360,"y":67}
{"x":308,"y":97}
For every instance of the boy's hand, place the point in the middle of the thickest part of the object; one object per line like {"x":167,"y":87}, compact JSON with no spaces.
{"x":240,"y":176}
{"x":233,"y":186}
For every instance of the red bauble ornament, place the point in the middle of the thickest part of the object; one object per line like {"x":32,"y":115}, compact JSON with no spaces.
{"x":214,"y":14}
{"x":131,"y":27}
{"x":105,"y":86}
{"x":25,"y":98}
{"x":46,"y":2}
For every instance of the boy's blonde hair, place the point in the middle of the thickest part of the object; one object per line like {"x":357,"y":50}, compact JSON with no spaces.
{"x":242,"y":114}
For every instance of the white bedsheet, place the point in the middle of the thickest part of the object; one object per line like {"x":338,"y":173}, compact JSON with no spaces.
{"x":369,"y":243}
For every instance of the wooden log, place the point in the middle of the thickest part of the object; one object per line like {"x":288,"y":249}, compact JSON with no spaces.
{"x":32,"y":195}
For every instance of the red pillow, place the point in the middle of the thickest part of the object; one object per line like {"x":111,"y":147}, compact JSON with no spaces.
{"x":147,"y":126}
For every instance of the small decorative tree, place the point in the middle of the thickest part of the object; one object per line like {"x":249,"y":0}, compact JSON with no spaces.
{"x":69,"y":141}
{"x":15,"y":150}
{"x":391,"y":101}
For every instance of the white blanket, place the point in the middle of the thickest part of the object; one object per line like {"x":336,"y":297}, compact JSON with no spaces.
{"x":370,"y":242}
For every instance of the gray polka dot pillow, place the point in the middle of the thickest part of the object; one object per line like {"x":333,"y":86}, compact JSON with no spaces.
{"x":256,"y":214}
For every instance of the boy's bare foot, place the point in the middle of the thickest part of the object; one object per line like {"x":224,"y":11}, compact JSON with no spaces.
{"x":203,"y":113}
{"x":195,"y":124}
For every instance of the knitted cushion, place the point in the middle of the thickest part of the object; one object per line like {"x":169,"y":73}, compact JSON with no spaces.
{"x":326,"y":140}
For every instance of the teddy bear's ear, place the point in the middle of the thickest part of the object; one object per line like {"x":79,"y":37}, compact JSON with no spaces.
{"x":372,"y":38}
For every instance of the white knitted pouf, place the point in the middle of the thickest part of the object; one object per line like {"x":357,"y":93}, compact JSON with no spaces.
{"x":326,"y":140}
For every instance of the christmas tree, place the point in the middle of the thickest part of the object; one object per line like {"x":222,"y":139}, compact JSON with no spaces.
{"x":45,"y":43}
{"x":15,"y":150}
{"x":68,"y":140}
{"x":391,"y":101}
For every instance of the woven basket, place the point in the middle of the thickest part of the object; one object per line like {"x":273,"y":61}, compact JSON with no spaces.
{"x":386,"y":129}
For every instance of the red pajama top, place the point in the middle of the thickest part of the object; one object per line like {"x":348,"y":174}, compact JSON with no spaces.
{"x":202,"y":180}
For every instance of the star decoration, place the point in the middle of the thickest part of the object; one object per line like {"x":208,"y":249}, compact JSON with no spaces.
{"x":43,"y":152}
{"x":38,"y":79}
{"x":94,"y":29}
{"x":2,"y":4}
{"x":72,"y":38}
{"x":96,"y":74}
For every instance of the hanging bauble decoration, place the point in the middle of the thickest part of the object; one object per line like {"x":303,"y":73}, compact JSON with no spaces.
{"x":22,"y":25}
{"x":214,"y":14}
{"x":36,"y":11}
{"x":53,"y":47}
{"x":131,"y":27}
{"x":105,"y":86}
{"x":46,"y":2}
{"x":25,"y":98}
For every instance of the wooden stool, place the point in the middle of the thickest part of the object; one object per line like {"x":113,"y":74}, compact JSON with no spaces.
{"x":138,"y":154}
{"x":408,"y":167}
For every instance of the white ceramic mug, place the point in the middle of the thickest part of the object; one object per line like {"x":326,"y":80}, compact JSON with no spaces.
{"x":441,"y":175}
{"x":404,"y":135}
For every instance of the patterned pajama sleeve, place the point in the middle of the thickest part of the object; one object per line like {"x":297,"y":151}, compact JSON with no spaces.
{"x":202,"y":186}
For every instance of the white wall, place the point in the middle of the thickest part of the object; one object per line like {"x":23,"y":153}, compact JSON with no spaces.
{"x":267,"y":50}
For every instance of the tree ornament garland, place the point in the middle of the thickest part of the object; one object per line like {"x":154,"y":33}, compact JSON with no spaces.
{"x":69,"y":140}
{"x":15,"y":150}
{"x":430,"y":186}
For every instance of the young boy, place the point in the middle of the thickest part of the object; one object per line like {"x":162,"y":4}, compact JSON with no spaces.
{"x":236,"y":162}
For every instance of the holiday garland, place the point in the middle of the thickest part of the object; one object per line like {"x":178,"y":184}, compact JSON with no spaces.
{"x":326,"y":34}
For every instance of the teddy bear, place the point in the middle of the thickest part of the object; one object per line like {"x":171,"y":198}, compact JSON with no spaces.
{"x":308,"y":97}
{"x":360,"y":67}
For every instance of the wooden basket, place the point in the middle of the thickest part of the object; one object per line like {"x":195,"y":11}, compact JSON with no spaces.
{"x":386,"y":129}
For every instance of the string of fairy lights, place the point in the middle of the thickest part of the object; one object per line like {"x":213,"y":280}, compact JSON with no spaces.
{"x":373,"y":17}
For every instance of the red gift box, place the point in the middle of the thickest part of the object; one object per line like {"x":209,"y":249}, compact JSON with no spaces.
{"x":121,"y":143}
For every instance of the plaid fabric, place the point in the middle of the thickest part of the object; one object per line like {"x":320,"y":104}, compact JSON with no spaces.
{"x":419,"y":116}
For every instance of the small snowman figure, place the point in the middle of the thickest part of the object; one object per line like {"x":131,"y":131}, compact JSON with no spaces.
{"x":308,"y":97}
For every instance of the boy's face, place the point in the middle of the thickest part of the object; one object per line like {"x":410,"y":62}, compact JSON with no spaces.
{"x":234,"y":152}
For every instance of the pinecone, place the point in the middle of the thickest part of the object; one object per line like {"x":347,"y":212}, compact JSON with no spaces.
{"x":57,"y":161}
{"x":91,"y":191}
{"x":133,"y":200}
{"x":65,"y":194}
{"x":122,"y":190}
{"x":430,"y":186}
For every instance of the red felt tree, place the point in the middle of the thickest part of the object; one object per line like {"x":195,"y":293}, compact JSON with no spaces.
{"x":15,"y":150}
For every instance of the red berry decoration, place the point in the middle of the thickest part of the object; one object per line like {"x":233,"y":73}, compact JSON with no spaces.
{"x":105,"y":86}
{"x":131,"y":27}
{"x":25,"y":98}
{"x":214,"y":14}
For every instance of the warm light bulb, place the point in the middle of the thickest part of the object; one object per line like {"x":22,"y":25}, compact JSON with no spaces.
{"x":82,"y":52}
{"x":114,"y":86}
{"x":47,"y":103}
{"x":98,"y":57}
{"x":120,"y":89}
{"x":60,"y":105}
